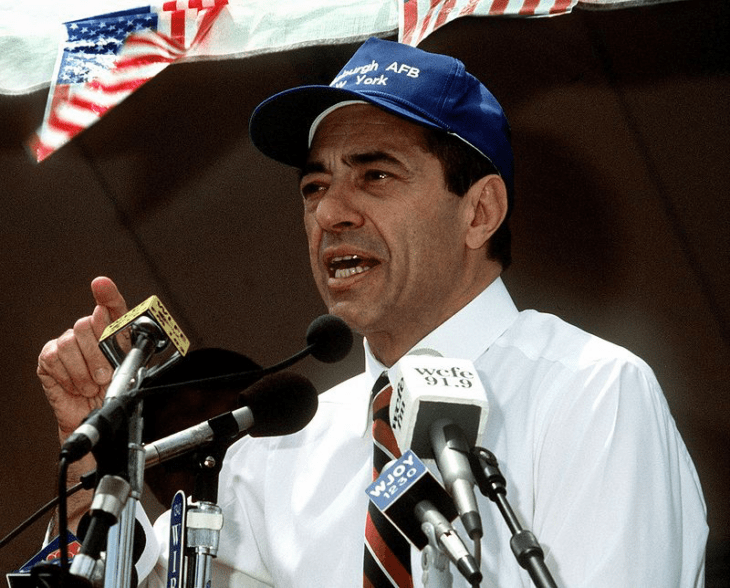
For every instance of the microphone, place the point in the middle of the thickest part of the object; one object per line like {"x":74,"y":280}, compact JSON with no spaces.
{"x":439,"y":410}
{"x":152,"y":329}
{"x":452,"y":457}
{"x":329,"y":340}
{"x":278,"y":404}
{"x":407,"y":493}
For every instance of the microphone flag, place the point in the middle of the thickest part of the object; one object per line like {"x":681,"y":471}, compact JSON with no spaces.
{"x":153,"y":309}
{"x":400,"y":487}
{"x":430,"y":388}
{"x":176,"y":562}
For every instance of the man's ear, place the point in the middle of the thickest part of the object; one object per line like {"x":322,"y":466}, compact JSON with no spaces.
{"x":486,"y":202}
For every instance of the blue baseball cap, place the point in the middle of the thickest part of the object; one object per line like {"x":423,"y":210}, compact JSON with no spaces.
{"x":429,"y":89}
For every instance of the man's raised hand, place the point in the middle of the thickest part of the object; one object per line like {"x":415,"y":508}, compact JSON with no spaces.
{"x":72,"y":369}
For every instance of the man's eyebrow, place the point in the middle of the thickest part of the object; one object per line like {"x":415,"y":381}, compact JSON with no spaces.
{"x":374,"y":157}
{"x":364,"y":158}
{"x":311,"y":167}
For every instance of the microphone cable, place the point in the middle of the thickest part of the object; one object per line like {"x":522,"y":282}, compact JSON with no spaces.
{"x":43,"y":510}
{"x":63,"y":517}
{"x":328,"y":339}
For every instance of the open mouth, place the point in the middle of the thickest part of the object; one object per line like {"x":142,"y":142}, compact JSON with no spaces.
{"x":345,"y":266}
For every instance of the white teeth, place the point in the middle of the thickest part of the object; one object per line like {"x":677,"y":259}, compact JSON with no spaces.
{"x":344,"y":258}
{"x":353,"y":265}
{"x":351,"y":271}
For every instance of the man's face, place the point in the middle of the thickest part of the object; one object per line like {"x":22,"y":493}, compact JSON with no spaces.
{"x":386,"y":238}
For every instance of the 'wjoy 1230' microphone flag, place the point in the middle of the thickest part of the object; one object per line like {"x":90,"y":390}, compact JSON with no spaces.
{"x":439,"y":410}
{"x":408,"y":494}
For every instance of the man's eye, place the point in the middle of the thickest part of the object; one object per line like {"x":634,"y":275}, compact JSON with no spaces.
{"x":376,"y":174}
{"x":308,"y":190}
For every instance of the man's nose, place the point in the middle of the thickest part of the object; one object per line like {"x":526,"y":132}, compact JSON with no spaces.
{"x":338,"y":210}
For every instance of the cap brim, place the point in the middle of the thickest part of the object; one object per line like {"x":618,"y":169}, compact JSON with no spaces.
{"x":279,"y":127}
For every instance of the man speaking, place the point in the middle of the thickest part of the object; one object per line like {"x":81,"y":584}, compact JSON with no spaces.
{"x":407,"y":184}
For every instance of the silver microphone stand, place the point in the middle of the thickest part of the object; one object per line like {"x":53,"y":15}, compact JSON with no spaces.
{"x":204,"y":516}
{"x":120,"y":465}
{"x":120,"y":543}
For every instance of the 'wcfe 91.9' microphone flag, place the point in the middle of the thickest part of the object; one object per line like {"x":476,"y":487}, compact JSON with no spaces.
{"x":439,"y":410}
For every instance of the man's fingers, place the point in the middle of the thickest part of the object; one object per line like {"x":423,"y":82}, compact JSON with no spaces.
{"x":62,"y":360}
{"x":107,"y":295}
{"x":72,"y":356}
{"x":51,"y":370}
{"x":96,"y":363}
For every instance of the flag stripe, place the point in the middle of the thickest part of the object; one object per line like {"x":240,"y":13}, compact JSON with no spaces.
{"x":446,"y":9}
{"x":419,"y":18}
{"x":78,"y":102}
{"x":177,"y":26}
{"x":61,"y":124}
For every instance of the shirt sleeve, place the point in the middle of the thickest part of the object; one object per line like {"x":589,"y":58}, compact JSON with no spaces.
{"x":618,"y":501}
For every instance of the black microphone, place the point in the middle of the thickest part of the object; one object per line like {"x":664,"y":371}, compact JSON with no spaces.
{"x":279,"y":404}
{"x":329,"y":338}
{"x":411,"y":497}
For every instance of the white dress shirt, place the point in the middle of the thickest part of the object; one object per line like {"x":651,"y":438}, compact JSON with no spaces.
{"x":594,"y":466}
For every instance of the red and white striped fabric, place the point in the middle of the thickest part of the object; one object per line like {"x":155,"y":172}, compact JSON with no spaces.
{"x":106,"y":58}
{"x":419,"y":18}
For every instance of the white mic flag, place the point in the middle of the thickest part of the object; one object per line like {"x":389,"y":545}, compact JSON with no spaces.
{"x":426,"y":389}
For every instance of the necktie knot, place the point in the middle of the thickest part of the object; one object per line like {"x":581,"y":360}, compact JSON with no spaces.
{"x":385,"y":446}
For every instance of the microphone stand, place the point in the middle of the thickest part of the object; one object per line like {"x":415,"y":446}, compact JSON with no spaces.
{"x":524,"y":544}
{"x":205,"y":517}
{"x":119,"y":564}
{"x":434,"y":562}
{"x":120,"y":465}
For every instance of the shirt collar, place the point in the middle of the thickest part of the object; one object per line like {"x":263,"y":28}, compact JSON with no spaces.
{"x":485,"y":318}
{"x":467,"y":334}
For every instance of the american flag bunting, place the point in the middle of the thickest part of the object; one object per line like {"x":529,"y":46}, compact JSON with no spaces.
{"x":419,"y":18}
{"x":107,"y":57}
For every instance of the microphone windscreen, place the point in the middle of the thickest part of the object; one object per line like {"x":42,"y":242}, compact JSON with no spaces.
{"x":281,"y":404}
{"x":330,"y":337}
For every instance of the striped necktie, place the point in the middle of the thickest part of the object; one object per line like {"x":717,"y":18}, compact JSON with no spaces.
{"x":387,"y":561}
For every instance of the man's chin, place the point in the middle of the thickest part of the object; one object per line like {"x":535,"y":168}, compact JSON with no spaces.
{"x":351,"y":314}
